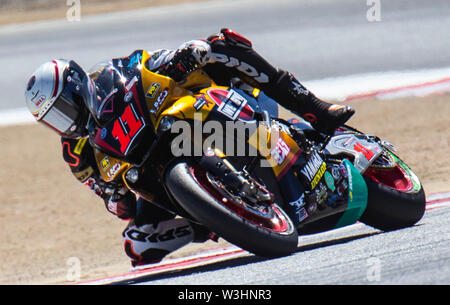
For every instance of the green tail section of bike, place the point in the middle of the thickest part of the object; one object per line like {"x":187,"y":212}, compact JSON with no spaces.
{"x":357,"y":197}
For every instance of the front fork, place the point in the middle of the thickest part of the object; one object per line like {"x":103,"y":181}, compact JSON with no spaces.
{"x":240,"y":182}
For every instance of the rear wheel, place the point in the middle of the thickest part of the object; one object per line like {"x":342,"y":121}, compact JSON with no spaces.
{"x":263,"y":229}
{"x":396,"y":197}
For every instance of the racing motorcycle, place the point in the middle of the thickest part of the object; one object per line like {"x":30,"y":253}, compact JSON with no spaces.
{"x":287,"y":180}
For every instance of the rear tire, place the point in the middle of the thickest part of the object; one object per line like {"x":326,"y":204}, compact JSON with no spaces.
{"x":390,"y":207}
{"x":198,"y":201}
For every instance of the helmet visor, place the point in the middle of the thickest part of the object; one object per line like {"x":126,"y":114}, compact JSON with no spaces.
{"x":62,"y":115}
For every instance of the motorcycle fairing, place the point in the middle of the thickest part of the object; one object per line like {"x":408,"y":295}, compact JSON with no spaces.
{"x":161,"y":96}
{"x":110,"y":168}
{"x":278,"y":148}
{"x":363,"y":150}
{"x":122,"y":134}
{"x":357,"y":196}
{"x":339,"y":199}
{"x":231,"y":104}
{"x":280,"y":154}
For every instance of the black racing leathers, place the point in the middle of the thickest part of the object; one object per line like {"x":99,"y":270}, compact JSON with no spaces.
{"x":79,"y":155}
{"x":232,"y":54}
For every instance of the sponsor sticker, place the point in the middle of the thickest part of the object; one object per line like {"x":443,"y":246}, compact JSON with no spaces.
{"x":335,"y":172}
{"x":350,"y":183}
{"x":314,"y":169}
{"x":105,"y":163}
{"x":79,"y":147}
{"x":343,"y":170}
{"x":161,"y":98}
{"x":319,"y":175}
{"x":200,"y":102}
{"x":302,"y":214}
{"x":152,"y":90}
{"x":39,"y":101}
{"x":280,"y":152}
{"x":233,"y":105}
{"x":103,"y":133}
{"x":298,"y":204}
{"x":114,"y":169}
{"x":368,"y":154}
{"x":329,"y":181}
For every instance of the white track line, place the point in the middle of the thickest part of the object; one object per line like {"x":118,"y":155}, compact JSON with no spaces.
{"x":200,"y":259}
{"x":341,"y":88}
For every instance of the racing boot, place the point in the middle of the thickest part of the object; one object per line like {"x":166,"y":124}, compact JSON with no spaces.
{"x":291,"y":94}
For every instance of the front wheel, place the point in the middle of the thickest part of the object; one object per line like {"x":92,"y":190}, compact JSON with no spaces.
{"x":396,"y":197}
{"x":264,"y":230}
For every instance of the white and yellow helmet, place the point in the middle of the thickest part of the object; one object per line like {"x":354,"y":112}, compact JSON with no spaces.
{"x":57,"y":94}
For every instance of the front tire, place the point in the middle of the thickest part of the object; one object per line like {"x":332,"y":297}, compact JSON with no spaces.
{"x":190,"y":189}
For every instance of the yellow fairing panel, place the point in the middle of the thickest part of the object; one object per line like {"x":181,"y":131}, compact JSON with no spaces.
{"x":161,"y":91}
{"x":185,"y":107}
{"x":279,"y":149}
{"x":110,"y":168}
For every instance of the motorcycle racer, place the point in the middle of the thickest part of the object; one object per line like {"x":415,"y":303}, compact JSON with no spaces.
{"x":58,"y":91}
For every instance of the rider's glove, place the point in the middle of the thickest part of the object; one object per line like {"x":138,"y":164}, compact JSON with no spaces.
{"x":182,"y":63}
{"x":120,"y":202}
{"x":190,"y":56}
{"x":96,"y":185}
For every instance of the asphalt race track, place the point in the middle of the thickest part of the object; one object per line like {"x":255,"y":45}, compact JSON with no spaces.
{"x":314,"y":40}
{"x":356,"y":255}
